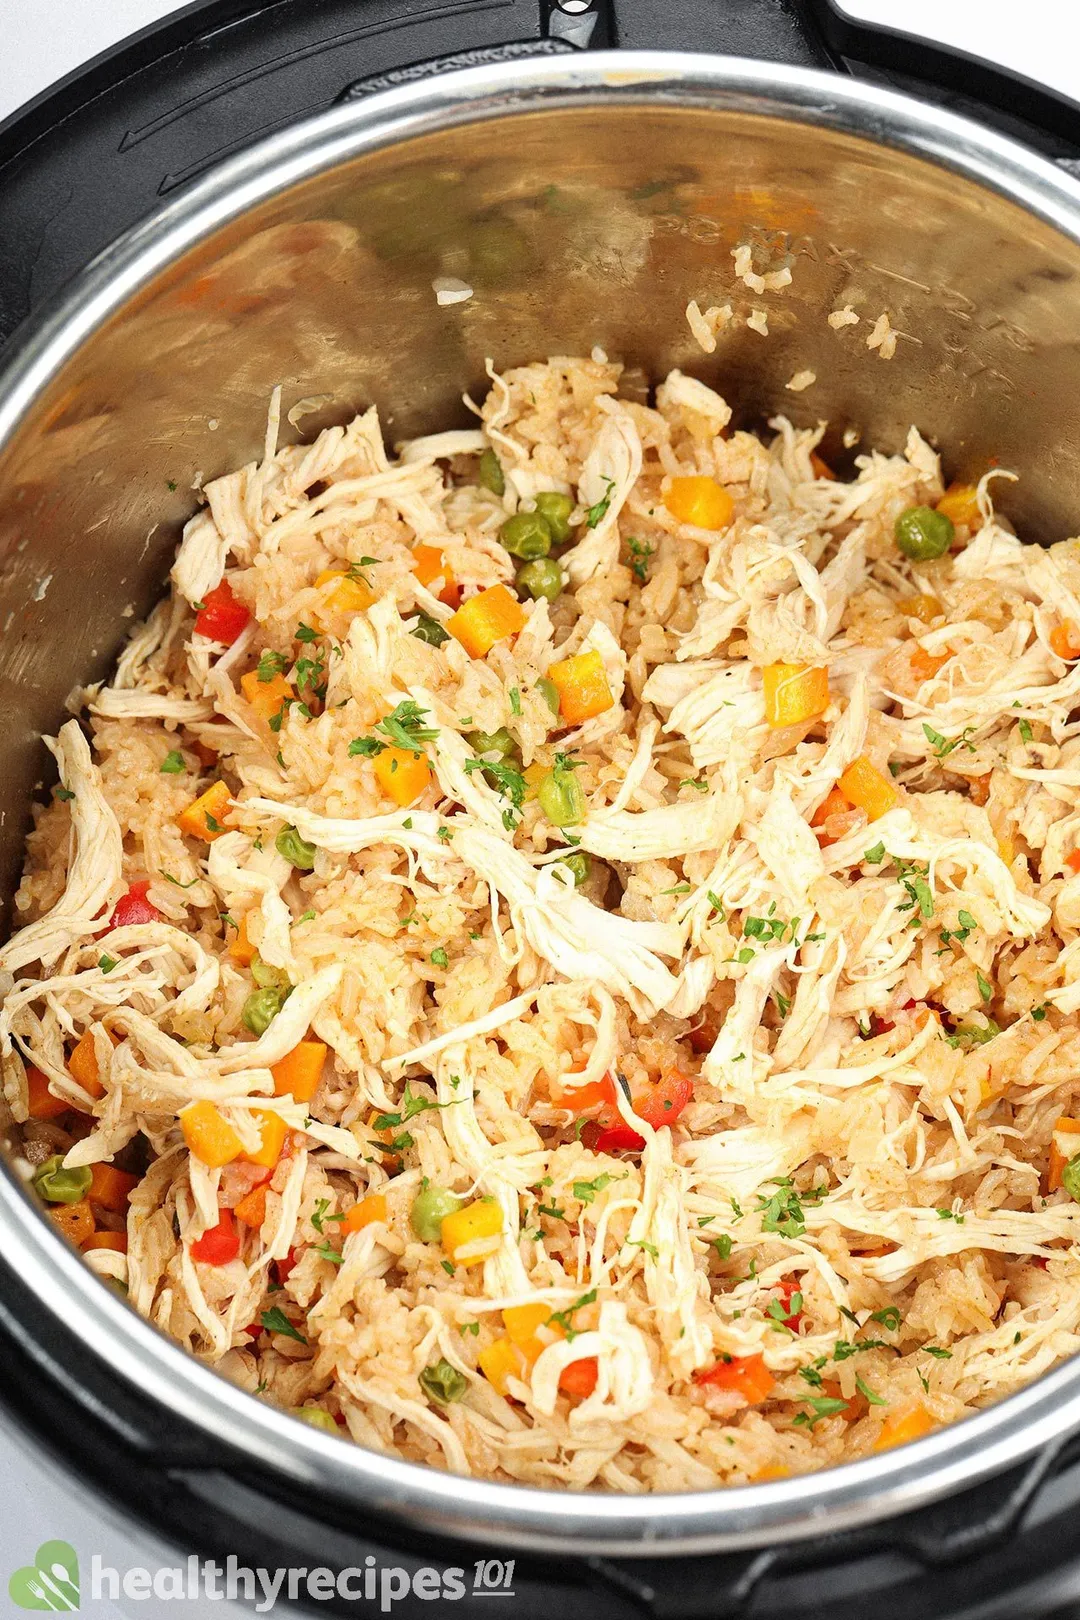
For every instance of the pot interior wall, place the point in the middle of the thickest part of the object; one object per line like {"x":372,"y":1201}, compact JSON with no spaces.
{"x":575,"y":225}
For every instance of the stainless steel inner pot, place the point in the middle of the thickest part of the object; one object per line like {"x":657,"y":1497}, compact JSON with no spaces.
{"x":586,"y":200}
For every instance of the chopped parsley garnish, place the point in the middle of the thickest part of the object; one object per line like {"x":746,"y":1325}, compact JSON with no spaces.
{"x":986,"y":989}
{"x":173,"y":763}
{"x":411,"y":1105}
{"x":553,"y":1210}
{"x":365,"y":747}
{"x":783,"y":1211}
{"x":695,"y":783}
{"x":942,"y":746}
{"x":319,"y":1215}
{"x":937,"y":1352}
{"x":326,"y":1251}
{"x":781,"y":1315}
{"x":64,"y":794}
{"x":716,"y":904}
{"x":270,"y":664}
{"x":865,"y":1390}
{"x":722,"y":1244}
{"x":305,"y":633}
{"x":950,"y":1215}
{"x":595,"y":513}
{"x":822,"y":1406}
{"x":515,"y":700}
{"x":640,"y":553}
{"x":107,"y":963}
{"x":563,"y":1318}
{"x":889,"y":1318}
{"x":405,"y":727}
{"x":509,"y":781}
{"x":876,"y":855}
{"x":1025,"y":729}
{"x":586,"y":1191}
{"x":439,"y":957}
{"x":913,"y":876}
{"x":1038,"y":1013}
{"x":783,"y":1003}
{"x":275,"y":1321}
{"x":649,"y":1248}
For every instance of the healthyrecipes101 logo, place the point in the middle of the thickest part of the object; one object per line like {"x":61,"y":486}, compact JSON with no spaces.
{"x":50,"y":1582}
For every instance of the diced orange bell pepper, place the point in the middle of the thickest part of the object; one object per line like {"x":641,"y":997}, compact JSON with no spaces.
{"x":1065,"y":640}
{"x":700,"y":501}
{"x":251,"y":1210}
{"x":924,"y":665}
{"x":834,"y":803}
{"x":794,"y":693}
{"x":746,"y":1375}
{"x":265,"y":697}
{"x":111,"y":1188}
{"x":76,"y":1221}
{"x":582,"y":685}
{"x":402,"y":774}
{"x":924,"y":608}
{"x":429,"y":564}
{"x":365,"y":1213}
{"x":473,"y":1234}
{"x":867,"y":789}
{"x":578,"y":1380}
{"x":905,"y":1426}
{"x":83,"y":1064}
{"x":209,"y":1135}
{"x":594,"y":1094}
{"x":273,"y":1130}
{"x":960,"y":504}
{"x":522,"y":1321}
{"x":117,"y":1241}
{"x":204,"y":816}
{"x":40,"y":1100}
{"x":299,"y":1072}
{"x":1072,"y":860}
{"x":485,"y":619}
{"x":821,"y":467}
{"x":350,"y":596}
{"x":774,"y":1471}
{"x":534,"y":774}
{"x":240,"y":947}
{"x":501,"y":1361}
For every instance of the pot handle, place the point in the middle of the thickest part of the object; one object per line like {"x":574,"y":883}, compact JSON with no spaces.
{"x":482,"y":56}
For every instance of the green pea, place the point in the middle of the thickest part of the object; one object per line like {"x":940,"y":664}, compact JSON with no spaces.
{"x":430,"y":1208}
{"x":542,"y":577}
{"x":267,"y":977}
{"x":549,"y":692}
{"x":317,"y":1417}
{"x":526,"y":535}
{"x":59,"y":1186}
{"x":261,"y":1008}
{"x":442,"y":1383}
{"x":296,"y":850}
{"x":429,"y":630}
{"x":1070,"y":1178}
{"x":561,"y":798}
{"x":923,"y":534}
{"x":501,"y":743}
{"x":579,"y":865}
{"x":555,"y":509}
{"x":490,"y":473}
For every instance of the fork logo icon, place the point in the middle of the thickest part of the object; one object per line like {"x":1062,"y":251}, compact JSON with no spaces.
{"x":50,"y":1582}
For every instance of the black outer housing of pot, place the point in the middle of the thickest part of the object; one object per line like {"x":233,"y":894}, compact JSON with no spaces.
{"x":80,"y":165}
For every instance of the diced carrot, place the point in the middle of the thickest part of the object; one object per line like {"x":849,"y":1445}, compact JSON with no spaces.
{"x":204,"y":816}
{"x":700,"y":501}
{"x":251,"y":1210}
{"x":960,"y":504}
{"x":429,"y":564}
{"x":42,"y":1104}
{"x":117,"y":1241}
{"x":485,"y":619}
{"x":299,"y":1071}
{"x":209,"y":1135}
{"x":834,"y":803}
{"x":76,"y":1221}
{"x":774,"y":1471}
{"x":924,"y":608}
{"x":821,"y":467}
{"x":350,"y":596}
{"x":794,"y":693}
{"x":402,"y":774}
{"x":924,"y":665}
{"x":582,"y":685}
{"x":867,"y":789}
{"x":1065,"y":640}
{"x":578,"y":1380}
{"x":111,"y":1188}
{"x":265,"y":697}
{"x":501,"y":1361}
{"x":898,"y":1430}
{"x":240,"y":947}
{"x":595,"y":1094}
{"x":368,"y":1210}
{"x":83,"y":1064}
{"x":746,"y":1375}
{"x":1072,"y":860}
{"x":273,"y":1131}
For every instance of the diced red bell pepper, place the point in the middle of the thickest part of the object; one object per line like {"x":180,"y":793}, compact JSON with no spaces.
{"x":784,"y":1292}
{"x":222,"y":617}
{"x":579,"y":1378}
{"x":664,"y":1102}
{"x":582,"y":1099}
{"x":134,"y":907}
{"x":220,"y":1244}
{"x":618,"y":1139}
{"x":253,"y":1329}
{"x":283,"y":1267}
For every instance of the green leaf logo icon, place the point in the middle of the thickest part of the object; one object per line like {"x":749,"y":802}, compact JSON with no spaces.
{"x":50,"y":1582}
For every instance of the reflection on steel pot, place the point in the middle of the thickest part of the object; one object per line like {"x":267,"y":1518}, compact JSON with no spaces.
{"x":583,"y":201}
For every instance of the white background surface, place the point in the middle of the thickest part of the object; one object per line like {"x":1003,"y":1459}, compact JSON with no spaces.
{"x":41,"y":41}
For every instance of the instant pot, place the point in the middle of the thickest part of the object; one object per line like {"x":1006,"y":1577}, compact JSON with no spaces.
{"x":250,"y":197}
